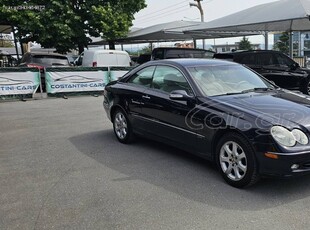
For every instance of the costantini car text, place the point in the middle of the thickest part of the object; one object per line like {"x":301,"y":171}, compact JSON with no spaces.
{"x":219,"y":110}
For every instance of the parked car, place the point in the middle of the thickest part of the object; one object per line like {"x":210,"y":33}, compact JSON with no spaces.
{"x":43,"y":60}
{"x":275,"y":66}
{"x":219,"y":110}
{"x":103,"y":58}
{"x":7,"y":59}
{"x":174,"y":52}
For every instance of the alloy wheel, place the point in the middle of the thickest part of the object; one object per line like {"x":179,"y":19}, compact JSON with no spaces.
{"x":120,"y":125}
{"x":233,"y":161}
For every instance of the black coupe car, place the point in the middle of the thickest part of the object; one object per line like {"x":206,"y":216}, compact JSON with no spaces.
{"x":219,"y":110}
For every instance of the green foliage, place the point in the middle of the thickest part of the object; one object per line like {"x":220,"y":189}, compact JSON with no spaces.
{"x":64,"y":25}
{"x":245,"y":44}
{"x":283,"y":43}
{"x":146,"y":49}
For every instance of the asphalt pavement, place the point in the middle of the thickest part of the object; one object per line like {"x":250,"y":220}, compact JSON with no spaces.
{"x":62,"y":168}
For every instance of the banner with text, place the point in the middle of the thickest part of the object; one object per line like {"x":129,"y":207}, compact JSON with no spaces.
{"x":15,"y":81}
{"x":74,"y":79}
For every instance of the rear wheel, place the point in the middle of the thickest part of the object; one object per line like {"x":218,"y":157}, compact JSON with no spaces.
{"x":236,"y":161}
{"x":122,"y":127}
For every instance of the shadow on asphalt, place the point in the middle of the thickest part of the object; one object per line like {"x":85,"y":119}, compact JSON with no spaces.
{"x":184,"y":174}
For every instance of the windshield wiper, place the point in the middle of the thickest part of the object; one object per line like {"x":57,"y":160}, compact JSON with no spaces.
{"x":249,"y":90}
{"x":256,"y":89}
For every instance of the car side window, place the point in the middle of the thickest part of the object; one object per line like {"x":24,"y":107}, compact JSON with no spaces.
{"x":265,"y":59}
{"x":283,"y":60}
{"x":158,"y":54}
{"x":247,"y":59}
{"x":143,"y":77}
{"x":168,"y":79}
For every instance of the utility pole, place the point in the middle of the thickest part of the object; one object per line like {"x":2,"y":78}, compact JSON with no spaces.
{"x":198,"y":5}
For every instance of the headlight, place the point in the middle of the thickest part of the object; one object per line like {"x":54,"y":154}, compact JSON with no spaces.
{"x":300,"y":136}
{"x":287,"y":138}
{"x":283,"y":136}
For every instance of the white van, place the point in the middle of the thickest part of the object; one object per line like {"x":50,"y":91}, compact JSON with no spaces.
{"x":104,"y":58}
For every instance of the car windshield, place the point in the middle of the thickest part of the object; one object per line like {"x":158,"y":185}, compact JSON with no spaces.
{"x":227,"y":79}
{"x":50,"y":60}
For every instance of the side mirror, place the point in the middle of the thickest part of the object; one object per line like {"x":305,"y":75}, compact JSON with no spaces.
{"x":294,"y":66}
{"x":180,"y":95}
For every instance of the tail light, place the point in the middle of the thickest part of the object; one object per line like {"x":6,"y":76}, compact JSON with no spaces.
{"x":94,"y":64}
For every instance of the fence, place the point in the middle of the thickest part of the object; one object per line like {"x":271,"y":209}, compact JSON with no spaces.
{"x":18,"y":82}
{"x":301,"y":61}
{"x":71,"y":80}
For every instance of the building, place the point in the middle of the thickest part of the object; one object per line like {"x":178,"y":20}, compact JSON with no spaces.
{"x":301,"y":43}
{"x":231,"y":47}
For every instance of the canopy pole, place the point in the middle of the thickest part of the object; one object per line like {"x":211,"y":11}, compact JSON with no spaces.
{"x":291,"y":43}
{"x":195,"y":43}
{"x":266,"y":40}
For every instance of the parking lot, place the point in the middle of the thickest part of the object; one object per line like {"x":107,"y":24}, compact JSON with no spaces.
{"x":61,"y":167}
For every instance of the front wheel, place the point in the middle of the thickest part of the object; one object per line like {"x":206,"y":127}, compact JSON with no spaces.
{"x":122,"y":127}
{"x":236,"y":161}
{"x":306,"y":87}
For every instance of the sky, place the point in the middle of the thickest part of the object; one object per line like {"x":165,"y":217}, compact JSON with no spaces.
{"x":158,"y":12}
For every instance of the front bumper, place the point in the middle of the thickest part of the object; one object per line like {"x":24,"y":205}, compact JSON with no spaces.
{"x":282,"y":166}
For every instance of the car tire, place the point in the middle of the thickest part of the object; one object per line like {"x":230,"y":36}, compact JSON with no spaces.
{"x":122,"y":127}
{"x":236,"y":161}
{"x":306,"y":87}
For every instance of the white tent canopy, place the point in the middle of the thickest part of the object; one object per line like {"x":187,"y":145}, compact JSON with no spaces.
{"x":171,"y":31}
{"x":174,"y":31}
{"x":283,"y":15}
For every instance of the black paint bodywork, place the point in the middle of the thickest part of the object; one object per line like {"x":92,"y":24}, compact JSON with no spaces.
{"x":197,"y":124}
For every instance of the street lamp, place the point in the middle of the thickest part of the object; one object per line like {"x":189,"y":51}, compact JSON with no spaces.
{"x":198,"y":5}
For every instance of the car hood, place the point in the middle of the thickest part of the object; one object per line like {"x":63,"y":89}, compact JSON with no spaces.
{"x":281,"y":107}
{"x":304,"y":69}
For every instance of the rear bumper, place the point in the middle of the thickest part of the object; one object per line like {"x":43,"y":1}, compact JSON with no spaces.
{"x":107,"y":107}
{"x":282,"y":167}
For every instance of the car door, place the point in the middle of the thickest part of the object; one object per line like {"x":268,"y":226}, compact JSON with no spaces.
{"x":290,"y":77}
{"x":277,"y":67}
{"x":133,"y":91}
{"x":166,"y":118}
{"x":269,"y":67}
{"x":265,"y":64}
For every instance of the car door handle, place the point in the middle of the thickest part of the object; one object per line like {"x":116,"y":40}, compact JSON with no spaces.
{"x":146,"y":97}
{"x":136,"y":102}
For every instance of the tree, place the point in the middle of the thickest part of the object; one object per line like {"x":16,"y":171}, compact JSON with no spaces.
{"x":146,"y":49}
{"x":245,"y":44}
{"x":283,"y":43}
{"x":67,"y":25}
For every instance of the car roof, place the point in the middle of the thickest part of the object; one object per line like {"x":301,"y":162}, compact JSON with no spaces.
{"x":187,"y":62}
{"x":245,"y":51}
{"x":180,"y":48}
{"x":46,"y":54}
{"x":93,"y":50}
